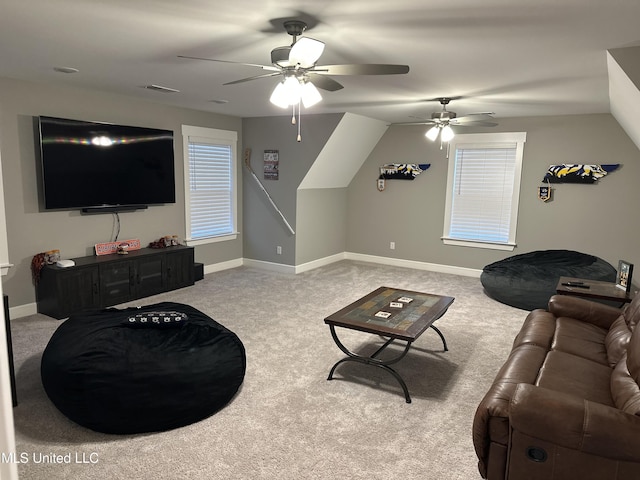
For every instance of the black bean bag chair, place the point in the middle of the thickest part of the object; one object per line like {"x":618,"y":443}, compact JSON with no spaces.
{"x":138,"y":370}
{"x":527,"y":281}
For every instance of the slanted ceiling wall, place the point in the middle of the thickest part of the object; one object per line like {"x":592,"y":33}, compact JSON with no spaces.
{"x":624,"y":89}
{"x":344,"y":153}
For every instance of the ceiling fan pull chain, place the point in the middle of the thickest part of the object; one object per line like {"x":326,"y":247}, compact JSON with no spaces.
{"x":293,"y":115}
{"x":299,"y":139}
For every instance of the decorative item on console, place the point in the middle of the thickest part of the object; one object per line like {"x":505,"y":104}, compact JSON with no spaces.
{"x":166,"y":241}
{"x":121,"y":247}
{"x":39,"y":260}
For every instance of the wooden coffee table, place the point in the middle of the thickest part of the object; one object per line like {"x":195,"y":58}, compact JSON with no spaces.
{"x":399,"y":315}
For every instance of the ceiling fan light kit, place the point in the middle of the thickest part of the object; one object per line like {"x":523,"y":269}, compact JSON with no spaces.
{"x":447,"y":133}
{"x":293,"y":91}
{"x":432,"y":133}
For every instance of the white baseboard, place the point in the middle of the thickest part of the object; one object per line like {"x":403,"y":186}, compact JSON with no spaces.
{"x":23,"y":310}
{"x":398,"y":262}
{"x":32,"y":308}
{"x":321,"y":262}
{"x":271,"y":266}
{"x":218,"y":267}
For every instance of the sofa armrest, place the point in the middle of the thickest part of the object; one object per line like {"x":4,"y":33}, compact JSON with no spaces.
{"x":575,"y":423}
{"x":585,"y":310}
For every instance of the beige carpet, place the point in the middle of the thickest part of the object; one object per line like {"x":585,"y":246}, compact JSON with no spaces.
{"x":288,"y":421}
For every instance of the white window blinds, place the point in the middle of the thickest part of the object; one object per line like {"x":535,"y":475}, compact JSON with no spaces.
{"x":483,"y":192}
{"x":210,"y":187}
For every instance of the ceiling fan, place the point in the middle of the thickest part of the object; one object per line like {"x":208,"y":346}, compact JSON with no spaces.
{"x":301,"y":77}
{"x":444,"y":119}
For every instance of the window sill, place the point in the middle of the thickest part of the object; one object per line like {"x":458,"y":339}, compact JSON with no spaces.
{"x":203,"y":241}
{"x":479,"y":244}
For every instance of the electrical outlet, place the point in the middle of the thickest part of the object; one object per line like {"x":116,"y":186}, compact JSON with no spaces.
{"x":392,"y":245}
{"x":279,"y":250}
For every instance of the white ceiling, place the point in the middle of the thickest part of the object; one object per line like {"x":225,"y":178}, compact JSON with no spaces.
{"x":512,"y":57}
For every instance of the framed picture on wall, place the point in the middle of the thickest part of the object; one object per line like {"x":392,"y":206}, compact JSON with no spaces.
{"x":271,"y":164}
{"x":623,"y":278}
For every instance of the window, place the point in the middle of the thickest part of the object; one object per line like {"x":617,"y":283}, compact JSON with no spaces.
{"x":483,"y":187}
{"x":210,"y":184}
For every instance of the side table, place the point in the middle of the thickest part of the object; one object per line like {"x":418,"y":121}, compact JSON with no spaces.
{"x":593,"y":289}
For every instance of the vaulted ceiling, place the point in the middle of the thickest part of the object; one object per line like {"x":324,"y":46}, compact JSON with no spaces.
{"x":511,"y":57}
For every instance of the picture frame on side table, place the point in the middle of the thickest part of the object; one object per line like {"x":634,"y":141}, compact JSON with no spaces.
{"x":623,"y":277}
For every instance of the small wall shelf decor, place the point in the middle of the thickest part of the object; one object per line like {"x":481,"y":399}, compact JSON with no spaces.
{"x":578,"y":173}
{"x":402,"y":171}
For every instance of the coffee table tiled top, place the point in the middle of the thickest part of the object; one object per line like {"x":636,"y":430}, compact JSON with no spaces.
{"x":401,"y":314}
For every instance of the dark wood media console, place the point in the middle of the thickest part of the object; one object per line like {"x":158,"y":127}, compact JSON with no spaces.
{"x":103,"y":281}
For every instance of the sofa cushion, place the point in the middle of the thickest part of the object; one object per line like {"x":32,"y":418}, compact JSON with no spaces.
{"x":624,"y":389}
{"x":581,"y":339}
{"x":577,"y":376}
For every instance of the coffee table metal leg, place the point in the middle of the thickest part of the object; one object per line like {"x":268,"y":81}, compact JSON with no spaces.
{"x":444,"y":342}
{"x":372,"y":360}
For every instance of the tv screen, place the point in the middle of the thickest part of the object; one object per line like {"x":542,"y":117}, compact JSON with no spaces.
{"x":90,"y":165}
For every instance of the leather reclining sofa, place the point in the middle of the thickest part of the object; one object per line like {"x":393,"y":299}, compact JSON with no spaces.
{"x":566,"y":403}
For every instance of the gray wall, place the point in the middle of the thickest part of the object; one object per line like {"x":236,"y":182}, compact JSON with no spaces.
{"x":263,"y":230}
{"x":322,"y":224}
{"x":31,"y":231}
{"x":598,"y":219}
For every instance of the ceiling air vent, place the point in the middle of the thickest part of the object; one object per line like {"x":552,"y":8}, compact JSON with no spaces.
{"x":160,"y":88}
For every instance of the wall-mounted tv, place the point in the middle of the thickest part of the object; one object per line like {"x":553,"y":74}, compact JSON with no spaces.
{"x":104,"y":167}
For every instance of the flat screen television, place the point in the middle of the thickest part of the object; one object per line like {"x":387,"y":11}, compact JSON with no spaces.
{"x":97,"y":167}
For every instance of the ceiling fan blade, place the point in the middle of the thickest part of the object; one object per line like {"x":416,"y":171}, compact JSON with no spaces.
{"x":325,"y":83}
{"x":474,"y":119}
{"x":255,"y":77}
{"x":425,"y":122}
{"x":306,"y":52}
{"x":264,"y":67}
{"x":476,"y":116}
{"x":361,"y":69}
{"x":474,"y":123}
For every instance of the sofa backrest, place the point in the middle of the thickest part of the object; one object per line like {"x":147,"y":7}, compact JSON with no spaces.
{"x":625,"y":378}
{"x":633,"y":356}
{"x":620,"y":332}
{"x":632,"y":312}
